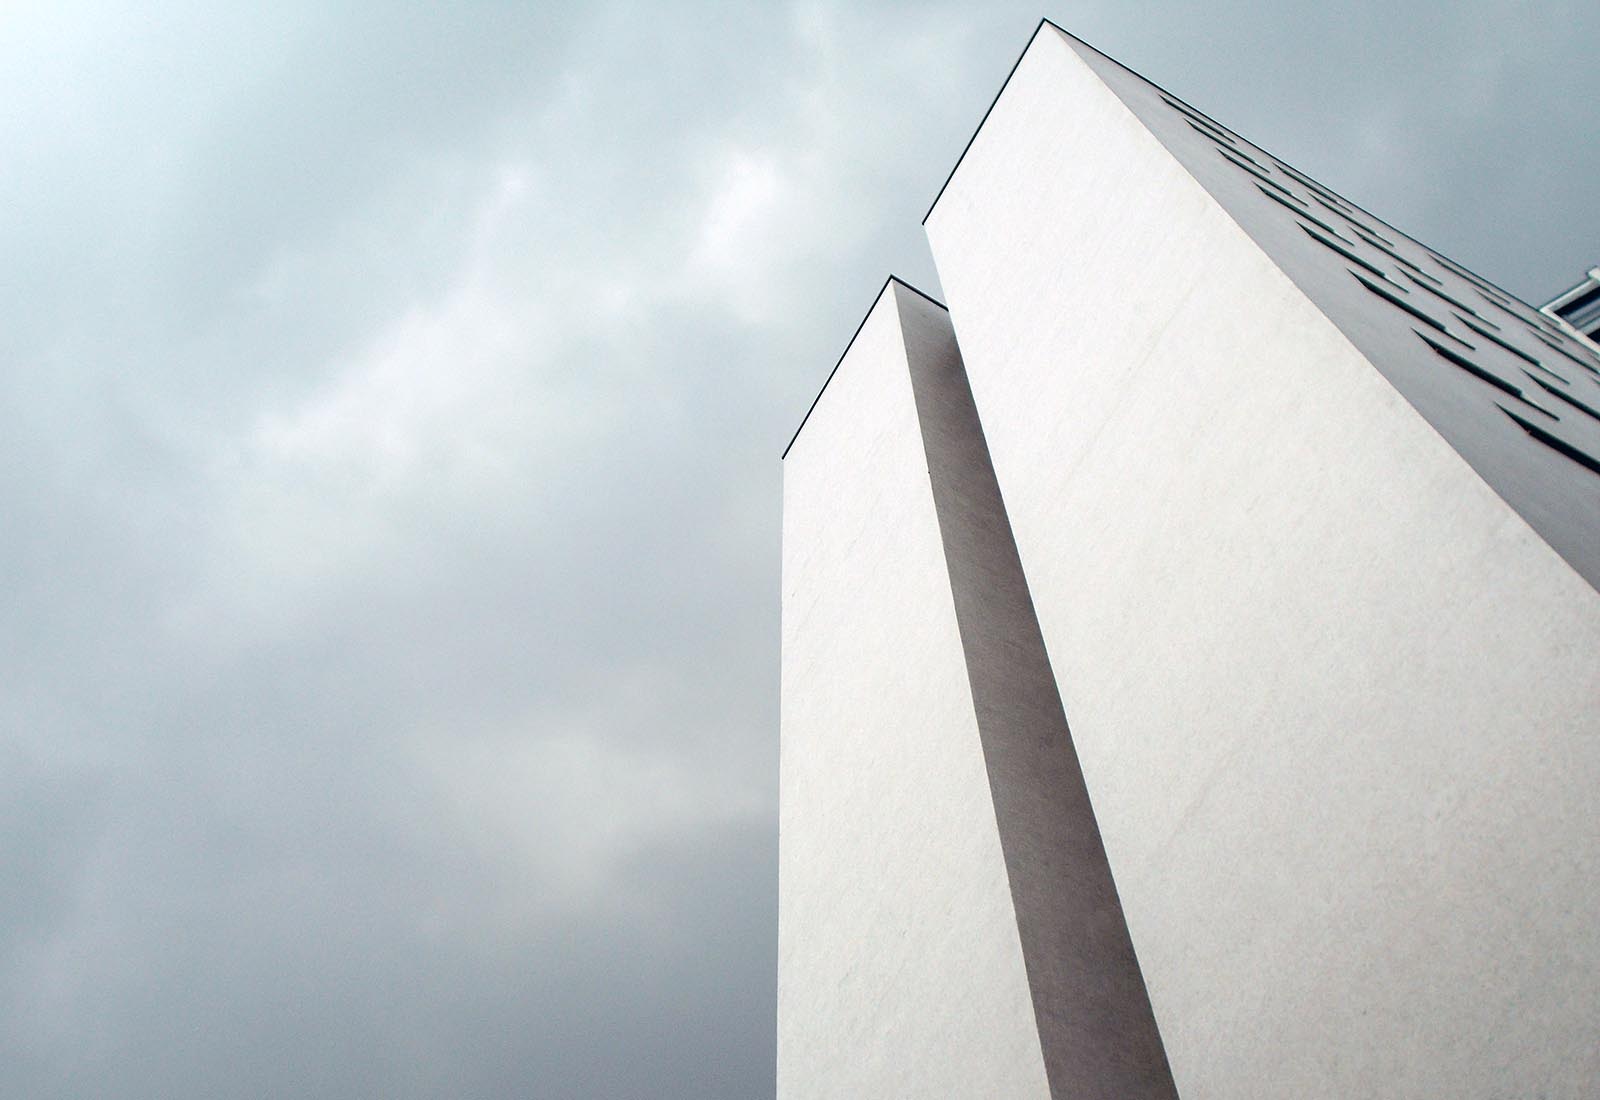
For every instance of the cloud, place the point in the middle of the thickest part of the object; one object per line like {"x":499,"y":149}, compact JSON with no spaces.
{"x":391,"y":404}
{"x":733,"y":238}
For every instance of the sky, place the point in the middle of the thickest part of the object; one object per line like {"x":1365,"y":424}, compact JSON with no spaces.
{"x":391,"y":401}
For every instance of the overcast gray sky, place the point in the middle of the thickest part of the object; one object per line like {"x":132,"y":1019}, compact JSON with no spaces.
{"x":390,"y":404}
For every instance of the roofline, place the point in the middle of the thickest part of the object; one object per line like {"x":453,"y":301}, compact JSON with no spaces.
{"x":1470,"y":273}
{"x":890,"y":281}
{"x":985,"y":118}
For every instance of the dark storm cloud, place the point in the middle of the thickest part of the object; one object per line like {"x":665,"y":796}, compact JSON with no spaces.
{"x":391,"y":404}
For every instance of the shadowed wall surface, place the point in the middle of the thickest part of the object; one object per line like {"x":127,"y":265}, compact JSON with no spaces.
{"x":1095,"y":1026}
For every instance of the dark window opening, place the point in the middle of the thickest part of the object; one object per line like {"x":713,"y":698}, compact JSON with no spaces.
{"x":1345,"y":252}
{"x":1481,"y":327}
{"x":1581,"y":406}
{"x":1394,"y":299}
{"x":1555,"y":443}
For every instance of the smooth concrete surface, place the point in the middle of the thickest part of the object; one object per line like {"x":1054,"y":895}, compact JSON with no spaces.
{"x":1336,"y":702}
{"x":900,"y":971}
{"x":1557,"y":494}
{"x":1096,"y":1029}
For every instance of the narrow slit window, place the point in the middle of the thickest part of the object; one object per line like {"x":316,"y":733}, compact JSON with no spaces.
{"x":1353,"y":222}
{"x":1349,"y":215}
{"x":1555,"y":347}
{"x":1482,"y":285}
{"x":1491,"y":294}
{"x":1342,"y":213}
{"x":1325,"y":227}
{"x":1222,"y":139}
{"x":1380,"y":236}
{"x":1477,"y":280}
{"x":1243,"y":160}
{"x":1345,"y":252}
{"x":1316,"y":188}
{"x":1441,"y":295}
{"x":1494,"y":301}
{"x":1281,"y":189}
{"x":1452,"y":356}
{"x":1291,"y":202}
{"x":1555,"y":443}
{"x":1196,"y":118}
{"x":1396,"y":257}
{"x":1394,"y":299}
{"x":1506,"y":309}
{"x":1581,"y":406}
{"x":1481,"y":327}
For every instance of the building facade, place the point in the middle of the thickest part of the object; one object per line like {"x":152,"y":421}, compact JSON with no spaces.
{"x":1189,"y":687}
{"x":1579,"y":306}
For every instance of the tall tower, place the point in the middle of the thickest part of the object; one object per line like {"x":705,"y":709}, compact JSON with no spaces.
{"x":1191,"y":657}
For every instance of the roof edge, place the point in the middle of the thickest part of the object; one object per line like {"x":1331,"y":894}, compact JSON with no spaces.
{"x":1469,"y":273}
{"x":892,"y":280}
{"x":964,"y":149}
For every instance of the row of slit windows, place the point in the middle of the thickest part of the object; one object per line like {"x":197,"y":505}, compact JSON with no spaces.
{"x":1390,"y":287}
{"x":1228,"y":144}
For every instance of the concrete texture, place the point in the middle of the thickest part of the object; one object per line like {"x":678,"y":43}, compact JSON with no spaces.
{"x":1096,"y":1029}
{"x":900,"y":970}
{"x":1335,"y":693}
{"x":1558,"y":495}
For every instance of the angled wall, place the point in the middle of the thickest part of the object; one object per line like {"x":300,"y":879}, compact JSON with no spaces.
{"x":1096,"y":1029}
{"x":1336,"y":701}
{"x":900,"y":970}
{"x":1510,"y":389}
{"x":871,"y":909}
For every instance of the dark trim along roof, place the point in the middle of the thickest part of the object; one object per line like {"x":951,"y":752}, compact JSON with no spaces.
{"x":886,"y":284}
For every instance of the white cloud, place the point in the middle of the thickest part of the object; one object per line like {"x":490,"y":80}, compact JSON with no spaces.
{"x":433,"y":372}
{"x":742,"y":211}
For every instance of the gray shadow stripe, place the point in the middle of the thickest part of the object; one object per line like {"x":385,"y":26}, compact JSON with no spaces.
{"x":1096,"y":1026}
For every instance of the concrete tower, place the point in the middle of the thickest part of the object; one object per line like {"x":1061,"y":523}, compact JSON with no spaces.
{"x":1192,"y":682}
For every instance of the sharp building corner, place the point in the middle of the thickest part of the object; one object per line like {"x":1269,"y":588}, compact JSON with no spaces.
{"x":1189,"y":690}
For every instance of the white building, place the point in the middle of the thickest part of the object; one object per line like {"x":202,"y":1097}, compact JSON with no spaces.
{"x":1300,"y":540}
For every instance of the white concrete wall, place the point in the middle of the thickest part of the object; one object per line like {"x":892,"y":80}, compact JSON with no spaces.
{"x":1337,"y":705}
{"x":900,"y":972}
